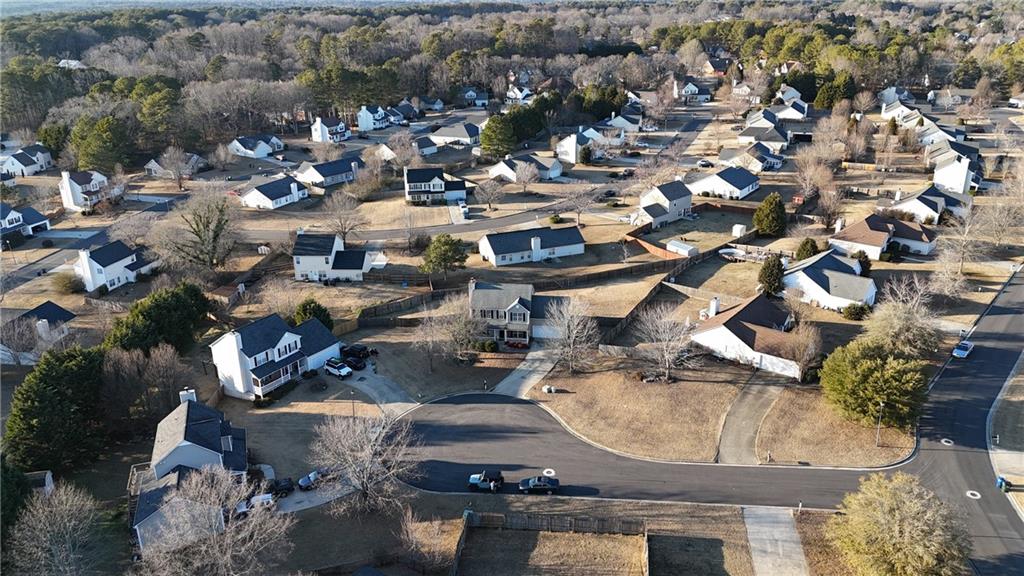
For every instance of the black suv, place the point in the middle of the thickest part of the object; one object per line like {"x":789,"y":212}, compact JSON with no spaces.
{"x":355,"y":351}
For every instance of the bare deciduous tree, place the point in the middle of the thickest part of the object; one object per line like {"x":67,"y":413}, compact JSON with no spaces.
{"x":195,"y":520}
{"x":905,"y":319}
{"x":489,"y":192}
{"x":326,"y":151}
{"x":134,"y":229}
{"x":343,"y":215}
{"x":423,"y":541}
{"x":371,"y":454}
{"x":665,"y":340}
{"x":578,"y":335}
{"x":965,"y":238}
{"x":19,"y":336}
{"x":401,"y":144}
{"x":221,"y":157}
{"x":864,"y":101}
{"x":56,"y":534}
{"x":830,"y":206}
{"x":946,"y":280}
{"x":526,"y":174}
{"x":803,"y":345}
{"x":280,"y":295}
{"x":176,"y":165}
{"x":209,"y":233}
{"x":429,"y":336}
{"x":457,"y":325}
{"x":579,"y":202}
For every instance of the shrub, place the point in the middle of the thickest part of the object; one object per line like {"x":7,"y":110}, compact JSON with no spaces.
{"x":770,"y":275}
{"x":169,"y":315}
{"x":310,"y":308}
{"x":856,"y":311}
{"x":865,"y":263}
{"x":47,"y":243}
{"x":808,"y":247}
{"x":68,"y":283}
{"x":885,"y":256}
{"x":612,"y":203}
{"x":103,"y":290}
{"x":490,"y":346}
{"x":706,"y":194}
{"x":865,"y":381}
{"x":770,"y":216}
{"x":555,"y":219}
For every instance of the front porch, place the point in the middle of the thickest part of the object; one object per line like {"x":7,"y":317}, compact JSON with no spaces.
{"x":265,"y":385}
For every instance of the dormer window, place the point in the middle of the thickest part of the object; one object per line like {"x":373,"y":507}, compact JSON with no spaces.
{"x":225,"y":443}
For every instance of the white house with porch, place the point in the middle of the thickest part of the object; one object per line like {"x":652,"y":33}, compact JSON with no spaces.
{"x":82,"y":191}
{"x":112,"y":265}
{"x":256,"y":358}
{"x":513,"y":313}
{"x":331,"y":130}
{"x":372,"y":117}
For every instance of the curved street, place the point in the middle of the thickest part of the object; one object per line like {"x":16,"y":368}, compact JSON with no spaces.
{"x":464,"y":434}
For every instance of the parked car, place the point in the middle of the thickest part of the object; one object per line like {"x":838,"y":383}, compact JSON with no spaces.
{"x":704,"y":164}
{"x":963,"y":349}
{"x":363,"y":136}
{"x":487,"y":480}
{"x":337,"y":367}
{"x":355,"y":363}
{"x":312,"y":480}
{"x":243,"y":508}
{"x":355,"y":351}
{"x":282,"y":487}
{"x":538,"y":485}
{"x":737,"y":128}
{"x":609,"y":193}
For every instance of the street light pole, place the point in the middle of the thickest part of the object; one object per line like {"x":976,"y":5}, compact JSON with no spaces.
{"x":352,"y":401}
{"x":878,"y":427}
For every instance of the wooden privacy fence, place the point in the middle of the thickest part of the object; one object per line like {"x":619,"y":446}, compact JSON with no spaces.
{"x":556,"y":523}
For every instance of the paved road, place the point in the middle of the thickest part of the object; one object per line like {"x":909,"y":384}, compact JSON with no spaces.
{"x":464,"y":434}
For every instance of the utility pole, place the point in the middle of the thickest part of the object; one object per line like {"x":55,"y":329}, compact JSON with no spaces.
{"x":878,"y":427}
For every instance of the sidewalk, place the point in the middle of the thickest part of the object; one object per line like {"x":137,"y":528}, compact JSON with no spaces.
{"x":1008,"y":423}
{"x":530,"y":371}
{"x":775,"y":548}
{"x":737,"y":444}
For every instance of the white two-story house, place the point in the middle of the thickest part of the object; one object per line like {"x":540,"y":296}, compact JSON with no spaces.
{"x":319,"y":257}
{"x":256,"y":358}
{"x":327,"y":174}
{"x":25,"y":220}
{"x":372,"y":117}
{"x":82,"y":191}
{"x":112,"y":265}
{"x":432,"y":186}
{"x":663,"y":204}
{"x":331,"y":130}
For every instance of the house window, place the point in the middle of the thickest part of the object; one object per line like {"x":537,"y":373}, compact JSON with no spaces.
{"x":517,"y":316}
{"x":502,"y":257}
{"x":515,"y":334}
{"x":327,"y":259}
{"x":225,"y":443}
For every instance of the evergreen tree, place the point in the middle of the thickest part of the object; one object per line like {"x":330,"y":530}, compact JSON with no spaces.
{"x":54,"y":137}
{"x":770,"y":217}
{"x":310,"y":308}
{"x":444,"y":253}
{"x":498,"y":137}
{"x":55,"y":414}
{"x":586,"y":155}
{"x":865,"y":262}
{"x":15,"y":490}
{"x":170,"y":315}
{"x":808,"y":247}
{"x":864,"y":380}
{"x":770,"y":275}
{"x":100,"y":144}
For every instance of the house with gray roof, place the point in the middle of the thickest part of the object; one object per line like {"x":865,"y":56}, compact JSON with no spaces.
{"x":273,"y":194}
{"x":731,"y":182}
{"x":20,"y":164}
{"x":927,"y":204}
{"x":461,"y":134}
{"x":323,"y":175}
{"x":513,"y":312}
{"x":533,"y":245}
{"x":256,"y":358}
{"x":432,"y":186}
{"x":753,"y":332}
{"x":50,"y":324}
{"x":329,"y":129}
{"x":829,"y":281}
{"x":756,"y":158}
{"x":319,"y":257}
{"x":25,"y":221}
{"x":82,"y":191}
{"x":663,"y":204}
{"x":372,"y":117}
{"x":548,"y":168}
{"x":256,"y":146}
{"x":112,"y":265}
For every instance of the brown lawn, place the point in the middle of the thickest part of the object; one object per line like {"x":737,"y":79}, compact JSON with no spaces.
{"x":712,"y":229}
{"x":717,"y":275}
{"x":613,"y":298}
{"x":530,"y":553}
{"x":678,"y":421}
{"x":801,"y":427}
{"x":822,"y":557}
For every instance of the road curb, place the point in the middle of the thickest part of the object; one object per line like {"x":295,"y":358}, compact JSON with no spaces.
{"x":988,"y":426}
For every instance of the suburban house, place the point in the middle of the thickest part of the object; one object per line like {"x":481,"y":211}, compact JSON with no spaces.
{"x":319,"y":257}
{"x":829,"y":281}
{"x":716,"y":66}
{"x":957,"y":175}
{"x":533,"y":245}
{"x":20,"y":164}
{"x":568,"y":148}
{"x":112,"y":265}
{"x":896,"y":110}
{"x":764,"y":127}
{"x":423,"y":103}
{"x":787,"y":67}
{"x":752,"y":332}
{"x":464,"y":133}
{"x":371,"y":117}
{"x":876,"y":234}
{"x":931,"y":133}
{"x":744,"y":91}
{"x":256,"y":358}
{"x":731,"y":182}
{"x":193,"y":163}
{"x":472,"y":97}
{"x":512,"y":311}
{"x":625,"y":122}
{"x":425,"y":146}
{"x":432,"y":186}
{"x":547,"y":168}
{"x":192,"y":437}
{"x":407,"y":110}
{"x":274,"y":194}
{"x":518,"y":95}
{"x":82,"y":191}
{"x":896,"y":94}
{"x":788,"y":94}
{"x":663,"y":204}
{"x":689,"y":91}
{"x":795,"y":110}
{"x":395,"y":116}
{"x":928,"y":204}
{"x":26,"y":220}
{"x":41,"y":154}
{"x":329,"y":130}
{"x":757,"y":157}
{"x":948,"y":149}
{"x":50,"y":323}
{"x":258,"y":146}
{"x":763,"y":118}
{"x":949,"y":97}
{"x":8,"y":179}
{"x":327,"y":174}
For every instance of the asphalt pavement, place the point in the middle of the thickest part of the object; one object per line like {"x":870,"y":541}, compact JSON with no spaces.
{"x":465,"y":434}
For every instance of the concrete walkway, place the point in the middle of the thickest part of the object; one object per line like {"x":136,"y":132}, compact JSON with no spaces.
{"x":1005,"y":421}
{"x":530,"y":371}
{"x":391,"y":398}
{"x":737,"y":444}
{"x":775,"y":548}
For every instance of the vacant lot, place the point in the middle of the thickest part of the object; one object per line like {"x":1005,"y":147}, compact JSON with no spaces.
{"x":524,"y":552}
{"x":802,"y":428}
{"x":712,"y":229}
{"x":391,"y":212}
{"x":401,"y":362}
{"x":613,"y":298}
{"x":611,"y":406}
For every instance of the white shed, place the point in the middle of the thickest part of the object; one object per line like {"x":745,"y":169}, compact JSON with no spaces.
{"x":738,"y":230}
{"x":682,"y":248}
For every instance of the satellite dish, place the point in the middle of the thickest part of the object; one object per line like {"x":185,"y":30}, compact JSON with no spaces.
{"x":549,"y":472}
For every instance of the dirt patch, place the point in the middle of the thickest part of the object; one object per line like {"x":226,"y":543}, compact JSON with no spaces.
{"x":822,"y":557}
{"x":401,"y":362}
{"x":678,"y":421}
{"x":801,"y":428}
{"x":391,"y":212}
{"x":710,"y":230}
{"x":525,"y":552}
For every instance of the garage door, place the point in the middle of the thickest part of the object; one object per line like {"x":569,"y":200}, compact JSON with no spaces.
{"x":541,"y":331}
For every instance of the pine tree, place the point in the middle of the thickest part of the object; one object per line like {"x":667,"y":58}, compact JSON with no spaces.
{"x":498,"y":137}
{"x":770,"y":217}
{"x":808,"y":247}
{"x":864,"y":380}
{"x":444,"y":253}
{"x":586,"y":155}
{"x":865,"y":262}
{"x":770,"y":275}
{"x":310,"y":308}
{"x":100,"y":144}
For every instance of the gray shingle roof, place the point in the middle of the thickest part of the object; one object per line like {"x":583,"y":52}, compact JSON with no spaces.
{"x":423,"y":175}
{"x":737,"y":177}
{"x":81,"y":178}
{"x":190,"y":422}
{"x":111,"y":253}
{"x":24,"y":159}
{"x":493,"y":296}
{"x":348,"y":260}
{"x":261,"y":335}
{"x":307,"y":244}
{"x":35,"y":149}
{"x":542,"y":306}
{"x":519,"y":240}
{"x":50,"y":312}
{"x":315,"y":337}
{"x":461,"y":130}
{"x":835,"y":274}
{"x":674,"y":190}
{"x":279,"y":188}
{"x":655,"y":210}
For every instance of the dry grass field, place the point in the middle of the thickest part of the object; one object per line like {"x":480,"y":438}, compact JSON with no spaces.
{"x":801,"y":427}
{"x":717,"y":275}
{"x":344,"y":300}
{"x":613,"y":298}
{"x":712,"y":229}
{"x":822,"y":558}
{"x":678,"y":421}
{"x":527,"y":553}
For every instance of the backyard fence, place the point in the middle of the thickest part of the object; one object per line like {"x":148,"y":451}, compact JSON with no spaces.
{"x":109,"y":305}
{"x":555,"y":523}
{"x":761,"y":250}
